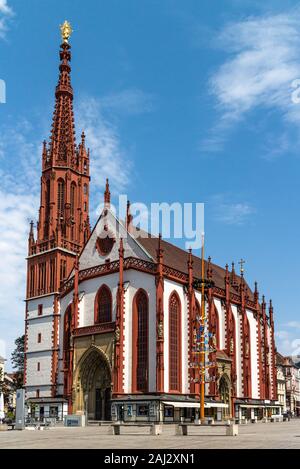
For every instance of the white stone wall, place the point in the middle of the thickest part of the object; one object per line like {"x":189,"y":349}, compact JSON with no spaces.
{"x":42,"y":377}
{"x":89,"y":289}
{"x":39,"y":352}
{"x":270,"y":359}
{"x":90,"y":256}
{"x":136,"y":281}
{"x":169,"y":287}
{"x":45,"y":391}
{"x":221,"y":314}
{"x":254,"y":357}
{"x":239,"y":383}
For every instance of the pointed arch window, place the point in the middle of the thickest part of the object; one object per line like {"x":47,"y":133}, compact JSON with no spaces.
{"x":73,"y":199}
{"x":140,"y":354}
{"x":67,"y":345}
{"x":174,"y":343}
{"x":60,"y":197}
{"x":47,"y":209}
{"x":103,"y":307}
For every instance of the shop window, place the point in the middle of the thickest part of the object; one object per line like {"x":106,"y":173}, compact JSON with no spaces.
{"x":169,"y":411}
{"x":142,"y":410}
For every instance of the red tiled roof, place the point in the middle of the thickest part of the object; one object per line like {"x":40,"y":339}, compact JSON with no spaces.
{"x":177,"y":258}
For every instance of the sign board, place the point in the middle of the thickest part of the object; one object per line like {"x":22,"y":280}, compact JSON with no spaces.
{"x":20,"y":409}
{"x":74,"y":421}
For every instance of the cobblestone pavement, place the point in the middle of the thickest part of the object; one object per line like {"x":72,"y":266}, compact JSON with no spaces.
{"x":260,"y":435}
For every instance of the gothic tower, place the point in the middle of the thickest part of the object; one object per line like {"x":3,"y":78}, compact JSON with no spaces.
{"x":62,"y":228}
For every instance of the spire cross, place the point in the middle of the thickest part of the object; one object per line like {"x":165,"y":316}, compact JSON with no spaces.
{"x":242,"y":262}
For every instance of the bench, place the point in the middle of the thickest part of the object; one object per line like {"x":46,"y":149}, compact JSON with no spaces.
{"x":155,"y":429}
{"x":182,"y":429}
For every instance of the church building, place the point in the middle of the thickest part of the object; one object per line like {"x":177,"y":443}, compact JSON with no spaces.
{"x":111,"y":312}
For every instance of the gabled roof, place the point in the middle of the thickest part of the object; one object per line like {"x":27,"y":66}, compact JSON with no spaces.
{"x":144,"y":245}
{"x":177,"y":258}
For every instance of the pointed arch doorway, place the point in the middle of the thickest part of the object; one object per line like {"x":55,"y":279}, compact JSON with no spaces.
{"x":225,"y":395}
{"x":94,"y":385}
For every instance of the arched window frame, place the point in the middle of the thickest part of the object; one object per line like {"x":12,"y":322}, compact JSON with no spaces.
{"x":60,"y":197}
{"x":106,"y":289}
{"x":73,"y":201}
{"x":67,"y":330}
{"x":136,"y":335}
{"x":217,"y":327}
{"x":178,"y":355}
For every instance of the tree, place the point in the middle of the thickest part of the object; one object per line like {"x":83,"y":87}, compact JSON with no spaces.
{"x":1,"y":381}
{"x":17,"y":359}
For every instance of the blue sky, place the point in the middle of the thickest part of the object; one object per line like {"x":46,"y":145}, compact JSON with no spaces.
{"x":182,"y":101}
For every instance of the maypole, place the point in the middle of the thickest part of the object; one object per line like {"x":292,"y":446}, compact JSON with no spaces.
{"x":202,"y":337}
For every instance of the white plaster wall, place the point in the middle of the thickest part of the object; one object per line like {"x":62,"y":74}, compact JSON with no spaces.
{"x":238,"y":358}
{"x":87,"y":294}
{"x":90,"y":256}
{"x":270,"y":357}
{"x":42,"y":377}
{"x":46,"y":301}
{"x":147,"y":282}
{"x":45,"y":391}
{"x":169,"y":287}
{"x":43,"y":325}
{"x":221,"y":314}
{"x":254,"y":357}
{"x":39,"y":352}
{"x":90,"y":288}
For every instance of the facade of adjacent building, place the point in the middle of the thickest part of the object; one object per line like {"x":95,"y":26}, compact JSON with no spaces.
{"x":290,"y":370}
{"x":281,"y":381}
{"x":2,"y":362}
{"x":111,"y":313}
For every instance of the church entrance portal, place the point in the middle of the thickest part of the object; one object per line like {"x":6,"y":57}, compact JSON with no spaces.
{"x":224,"y":391}
{"x":94,"y":385}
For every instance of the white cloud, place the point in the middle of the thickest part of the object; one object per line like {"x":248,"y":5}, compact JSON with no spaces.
{"x":20,"y":166}
{"x":131,"y":101}
{"x":294,"y":324}
{"x":229,"y":212}
{"x":20,"y":170}
{"x":262,"y":62}
{"x":286,"y":343}
{"x":108,"y":159}
{"x":19,"y":198}
{"x":5,"y":13}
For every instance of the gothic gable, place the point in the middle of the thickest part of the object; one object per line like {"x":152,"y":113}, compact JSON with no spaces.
{"x":103,"y":244}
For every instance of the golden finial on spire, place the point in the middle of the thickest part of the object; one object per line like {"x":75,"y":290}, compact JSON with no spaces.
{"x":66,"y":31}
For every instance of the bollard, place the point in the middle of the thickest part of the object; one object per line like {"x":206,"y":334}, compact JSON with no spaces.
{"x":232,"y":430}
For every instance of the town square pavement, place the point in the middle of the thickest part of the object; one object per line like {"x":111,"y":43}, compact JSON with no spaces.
{"x":260,"y":435}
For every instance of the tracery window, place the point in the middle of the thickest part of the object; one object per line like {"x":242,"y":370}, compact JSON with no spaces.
{"x":140,"y":342}
{"x":174,"y":343}
{"x":103,"y":305}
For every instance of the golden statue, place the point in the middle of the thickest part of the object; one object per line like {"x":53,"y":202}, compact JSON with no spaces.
{"x":66,"y":31}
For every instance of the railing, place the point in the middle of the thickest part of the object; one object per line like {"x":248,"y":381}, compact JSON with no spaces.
{"x":43,"y":246}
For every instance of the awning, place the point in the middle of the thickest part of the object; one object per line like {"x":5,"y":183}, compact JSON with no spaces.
{"x":196,"y":405}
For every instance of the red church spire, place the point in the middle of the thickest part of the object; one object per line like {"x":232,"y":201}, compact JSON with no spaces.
{"x":62,"y":141}
{"x":63,"y":220}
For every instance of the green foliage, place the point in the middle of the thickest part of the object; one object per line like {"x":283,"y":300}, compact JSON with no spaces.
{"x":17,"y":358}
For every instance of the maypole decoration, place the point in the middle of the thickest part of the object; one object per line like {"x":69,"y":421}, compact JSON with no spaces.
{"x":202,"y":340}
